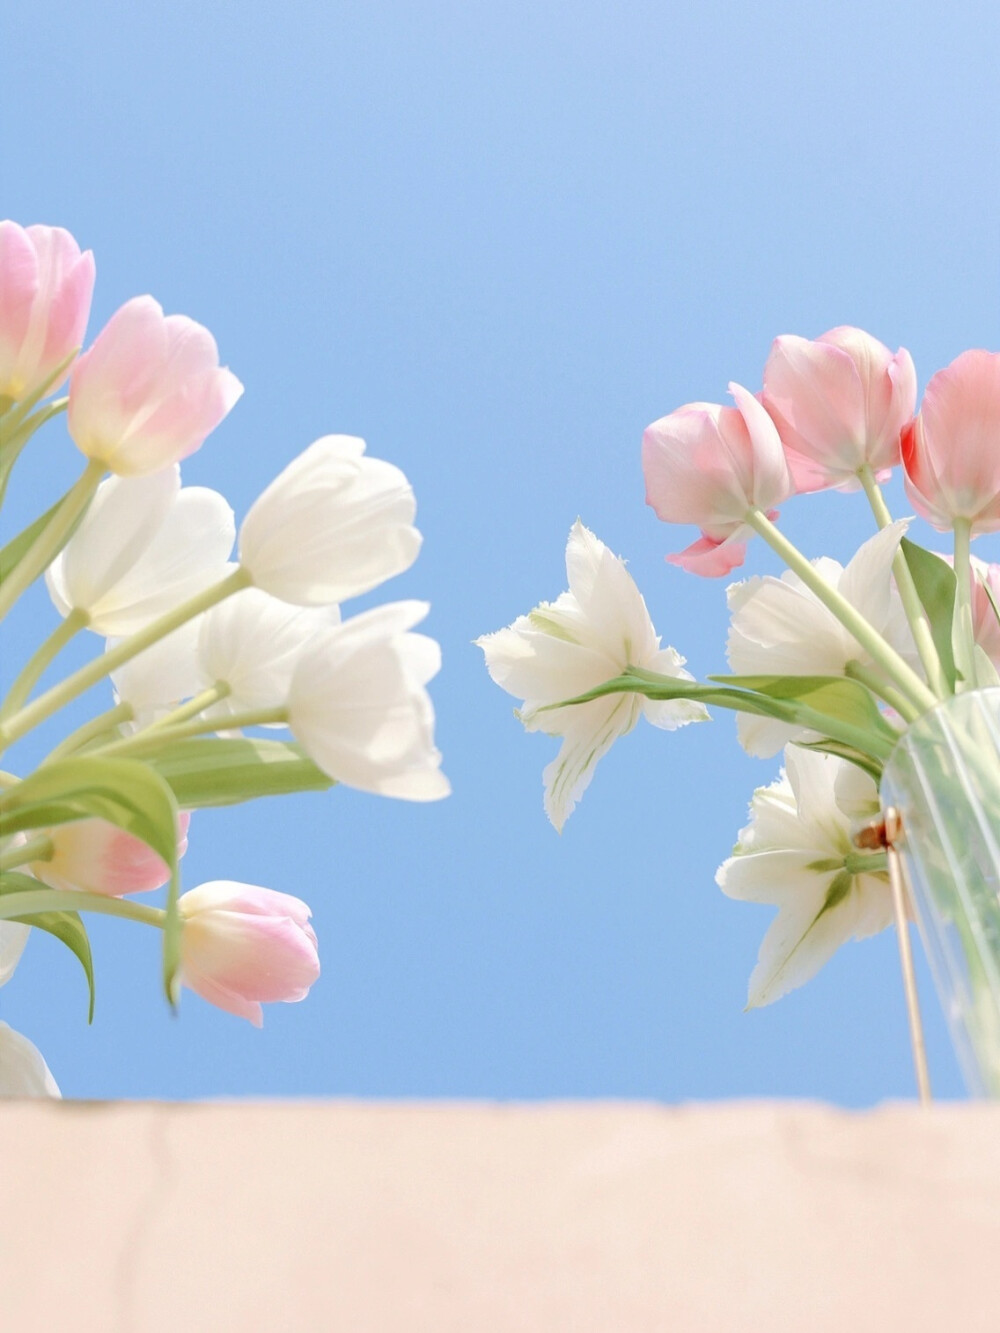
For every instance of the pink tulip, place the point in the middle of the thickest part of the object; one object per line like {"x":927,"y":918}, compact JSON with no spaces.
{"x":242,"y":945}
{"x":840,"y":403}
{"x":93,"y":856}
{"x":951,"y":452}
{"x":148,"y":391}
{"x":710,"y":465}
{"x":985,"y":625}
{"x":45,"y":289}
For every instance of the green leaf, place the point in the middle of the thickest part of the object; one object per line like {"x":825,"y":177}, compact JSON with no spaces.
{"x":867,"y":765}
{"x":935,"y":583}
{"x":17,"y":547}
{"x":203,"y":772}
{"x":126,"y":793}
{"x":835,"y":707}
{"x":65,"y":926}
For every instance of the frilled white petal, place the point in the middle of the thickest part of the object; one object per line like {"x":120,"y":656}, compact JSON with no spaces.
{"x":764,"y":737}
{"x":801,"y":938}
{"x":23,"y":1072}
{"x":595,"y":728}
{"x":332,"y":525}
{"x":252,"y":643}
{"x":867,"y":580}
{"x":13,"y":938}
{"x":358,"y":705}
{"x":566,"y":648}
{"x":144,"y":546}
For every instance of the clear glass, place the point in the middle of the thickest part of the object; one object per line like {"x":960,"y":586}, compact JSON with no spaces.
{"x":944,"y":779}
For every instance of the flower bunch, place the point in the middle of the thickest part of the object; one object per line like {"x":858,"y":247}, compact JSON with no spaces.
{"x":830,"y":663}
{"x":202,"y":643}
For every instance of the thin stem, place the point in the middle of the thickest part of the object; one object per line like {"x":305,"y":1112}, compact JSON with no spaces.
{"x":52,"y":700}
{"x":14,"y":905}
{"x":963,"y":638}
{"x":97,"y":726}
{"x":853,"y":621}
{"x":35,"y":849}
{"x":881,"y":687}
{"x":897,"y":883}
{"x":919,"y":621}
{"x":184,"y":712}
{"x":12,"y":442}
{"x":40,"y":659}
{"x":144,"y":742}
{"x":53,"y":536}
{"x":14,"y":417}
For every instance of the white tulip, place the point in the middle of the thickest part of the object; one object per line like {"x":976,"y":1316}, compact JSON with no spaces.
{"x":163,"y":675}
{"x":144,"y":545}
{"x":332,"y":525}
{"x":252,"y":643}
{"x":23,"y":1072}
{"x":797,"y":853}
{"x":779,"y":627}
{"x":13,"y":938}
{"x":565,"y":648}
{"x":358,"y":706}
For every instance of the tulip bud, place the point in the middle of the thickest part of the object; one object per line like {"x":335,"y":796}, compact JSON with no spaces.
{"x":358,"y":706}
{"x":23,"y":1072}
{"x":242,"y":946}
{"x":710,"y":465}
{"x":144,"y":546}
{"x":148,"y":391}
{"x":951,"y":452}
{"x":840,"y":404}
{"x":93,"y":856}
{"x":332,"y":525}
{"x":46,"y":286}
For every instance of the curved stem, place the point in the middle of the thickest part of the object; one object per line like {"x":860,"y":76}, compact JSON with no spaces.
{"x":12,"y":442}
{"x":853,"y":621}
{"x":69,"y":900}
{"x":53,"y":536}
{"x":184,"y":712}
{"x":919,"y":622}
{"x":882,"y":689}
{"x":963,"y":638}
{"x":14,"y":417}
{"x":20,"y":723}
{"x":97,"y":726}
{"x":146,"y":742}
{"x":35,"y":849}
{"x":40,"y":659}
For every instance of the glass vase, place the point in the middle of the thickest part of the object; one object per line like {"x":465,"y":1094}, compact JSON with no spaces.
{"x":943,"y":778}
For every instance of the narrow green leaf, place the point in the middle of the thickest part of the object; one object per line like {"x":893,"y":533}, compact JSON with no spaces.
{"x":204,"y":773}
{"x":11,"y":554}
{"x":126,"y":793}
{"x":935,"y":583}
{"x":867,"y":765}
{"x":65,"y":926}
{"x":833,"y":696}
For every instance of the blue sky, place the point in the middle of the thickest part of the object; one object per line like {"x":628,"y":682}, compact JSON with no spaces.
{"x":496,"y":241}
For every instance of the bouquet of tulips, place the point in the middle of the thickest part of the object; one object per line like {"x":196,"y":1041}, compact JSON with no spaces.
{"x":830,"y":663}
{"x":198,"y":645}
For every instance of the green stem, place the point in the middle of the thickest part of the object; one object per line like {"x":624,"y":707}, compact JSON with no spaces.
{"x":919,"y":621}
{"x":12,"y":443}
{"x":20,"y":723}
{"x":69,"y":900}
{"x":35,"y":849}
{"x":963,"y":638}
{"x":143,"y":742}
{"x":14,"y":417}
{"x":41,"y":658}
{"x":183,"y":713}
{"x":853,"y":621}
{"x":97,"y":726}
{"x":882,"y":689}
{"x":53,"y":536}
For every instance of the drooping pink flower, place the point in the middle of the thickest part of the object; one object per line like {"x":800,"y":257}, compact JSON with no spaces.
{"x":93,"y":856}
{"x":839,"y":402}
{"x":710,"y":465}
{"x":149,"y":390}
{"x":951,"y":451}
{"x":46,"y":285}
{"x":242,"y":945}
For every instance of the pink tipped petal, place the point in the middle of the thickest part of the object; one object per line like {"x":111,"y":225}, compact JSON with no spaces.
{"x":149,"y":390}
{"x":950,"y":452}
{"x":46,"y":286}
{"x":839,"y":403}
{"x":93,"y":856}
{"x":710,"y":559}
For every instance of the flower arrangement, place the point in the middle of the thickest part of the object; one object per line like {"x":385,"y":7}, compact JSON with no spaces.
{"x":832,"y":664}
{"x":198,"y":645}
